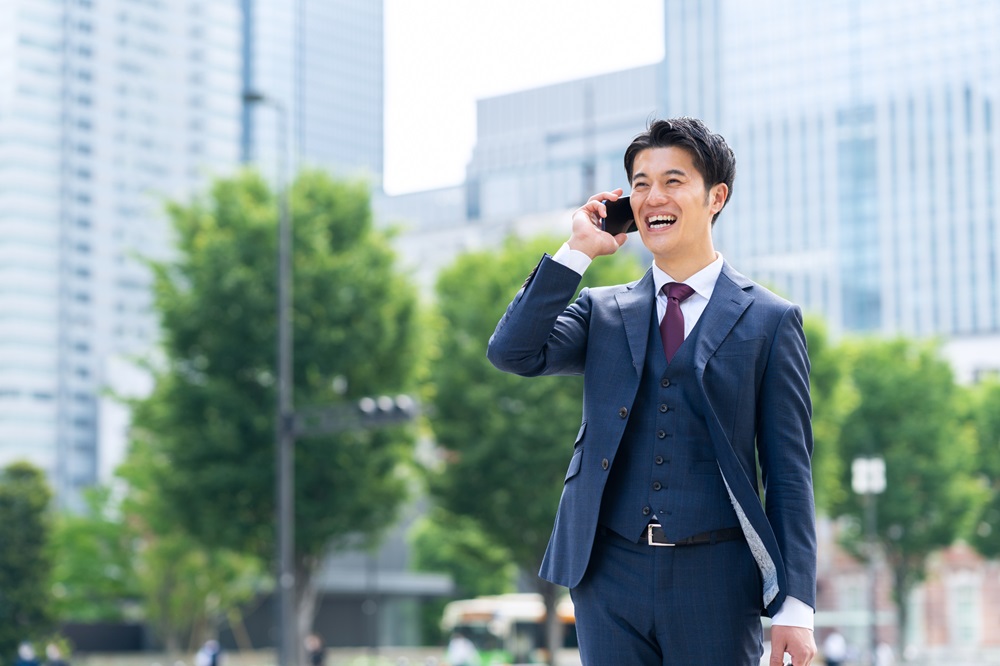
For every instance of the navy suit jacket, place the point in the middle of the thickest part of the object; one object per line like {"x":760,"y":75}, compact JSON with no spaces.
{"x":753,"y":371}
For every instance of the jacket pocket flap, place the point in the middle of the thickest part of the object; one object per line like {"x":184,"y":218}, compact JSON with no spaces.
{"x":574,"y":464}
{"x":749,"y":347}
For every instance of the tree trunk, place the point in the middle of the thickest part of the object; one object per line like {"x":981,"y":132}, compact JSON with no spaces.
{"x":903,"y":583}
{"x":553,"y":627}
{"x":239,"y":628}
{"x":307,"y":595}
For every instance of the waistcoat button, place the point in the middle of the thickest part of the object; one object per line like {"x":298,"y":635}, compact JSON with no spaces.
{"x":663,"y":408}
{"x":661,"y":434}
{"x":665,"y":382}
{"x":646,"y":511}
{"x":656,"y":485}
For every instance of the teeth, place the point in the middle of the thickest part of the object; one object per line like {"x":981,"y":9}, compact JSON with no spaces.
{"x":662,"y":219}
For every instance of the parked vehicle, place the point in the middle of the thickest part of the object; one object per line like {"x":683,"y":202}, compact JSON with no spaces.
{"x":508,"y":628}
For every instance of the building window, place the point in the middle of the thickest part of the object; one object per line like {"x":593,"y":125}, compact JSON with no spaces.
{"x":965,"y":614}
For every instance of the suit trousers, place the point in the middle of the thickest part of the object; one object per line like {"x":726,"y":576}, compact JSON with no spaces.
{"x":642,"y":605}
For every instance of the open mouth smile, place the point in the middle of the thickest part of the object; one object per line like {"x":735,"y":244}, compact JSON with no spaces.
{"x":654,"y":222}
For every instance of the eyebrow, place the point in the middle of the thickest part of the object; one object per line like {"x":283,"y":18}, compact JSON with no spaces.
{"x":668,"y":172}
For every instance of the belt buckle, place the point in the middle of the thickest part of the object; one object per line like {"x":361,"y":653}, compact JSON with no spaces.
{"x":649,"y":536}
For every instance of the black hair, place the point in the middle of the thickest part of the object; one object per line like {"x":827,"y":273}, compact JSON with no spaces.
{"x":712,"y":156}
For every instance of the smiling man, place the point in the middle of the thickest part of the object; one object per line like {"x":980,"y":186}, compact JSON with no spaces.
{"x":693,"y":376}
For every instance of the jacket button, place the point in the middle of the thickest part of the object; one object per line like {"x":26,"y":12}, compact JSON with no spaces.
{"x":663,"y":408}
{"x":623,"y":412}
{"x":604,"y":464}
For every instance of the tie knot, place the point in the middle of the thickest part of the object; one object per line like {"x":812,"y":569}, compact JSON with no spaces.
{"x":677,"y":290}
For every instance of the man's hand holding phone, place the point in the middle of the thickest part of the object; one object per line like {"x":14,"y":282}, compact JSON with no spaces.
{"x":588,"y":234}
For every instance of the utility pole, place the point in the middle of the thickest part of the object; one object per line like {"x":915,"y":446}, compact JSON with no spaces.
{"x":284,"y":436}
{"x":868,"y":480}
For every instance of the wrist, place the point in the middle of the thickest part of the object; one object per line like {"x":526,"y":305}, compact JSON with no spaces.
{"x":580,"y":245}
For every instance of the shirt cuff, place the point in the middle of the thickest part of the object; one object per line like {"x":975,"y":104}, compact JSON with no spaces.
{"x":572,"y":259}
{"x":794,"y":613}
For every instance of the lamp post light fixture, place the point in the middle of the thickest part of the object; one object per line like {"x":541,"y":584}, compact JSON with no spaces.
{"x":284,"y":436}
{"x":868,"y":480}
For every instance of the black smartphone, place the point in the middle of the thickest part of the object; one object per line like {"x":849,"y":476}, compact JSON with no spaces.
{"x":619,"y":219}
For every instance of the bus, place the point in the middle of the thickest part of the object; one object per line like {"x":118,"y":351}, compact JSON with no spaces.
{"x":508,"y":628}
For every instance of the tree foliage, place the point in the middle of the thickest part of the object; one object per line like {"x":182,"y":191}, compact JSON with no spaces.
{"x":25,"y":564}
{"x":502,"y":433}
{"x":832,"y":399}
{"x":458,"y":545}
{"x":905,"y":413}
{"x":208,"y":426}
{"x":983,"y":416}
{"x":507,"y":439}
{"x":185,"y":590}
{"x":93,"y":554}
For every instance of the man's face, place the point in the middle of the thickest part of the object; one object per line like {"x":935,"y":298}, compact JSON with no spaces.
{"x":672,"y":208}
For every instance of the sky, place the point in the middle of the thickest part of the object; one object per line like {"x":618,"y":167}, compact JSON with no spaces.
{"x":443,"y":55}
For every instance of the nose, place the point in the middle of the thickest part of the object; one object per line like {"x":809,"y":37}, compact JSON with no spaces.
{"x":657,"y":194}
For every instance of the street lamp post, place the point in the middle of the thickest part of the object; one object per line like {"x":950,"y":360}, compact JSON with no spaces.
{"x":868,"y":480}
{"x":284,"y":434}
{"x":365,"y":414}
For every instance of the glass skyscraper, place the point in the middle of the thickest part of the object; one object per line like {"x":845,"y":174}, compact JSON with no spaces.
{"x":866,"y":143}
{"x":865,"y":139}
{"x":322,"y":61}
{"x":106,"y":108}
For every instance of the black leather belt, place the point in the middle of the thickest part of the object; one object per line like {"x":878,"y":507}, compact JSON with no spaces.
{"x":655,"y":536}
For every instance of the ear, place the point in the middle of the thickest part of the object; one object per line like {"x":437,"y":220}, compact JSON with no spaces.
{"x":717,"y":197}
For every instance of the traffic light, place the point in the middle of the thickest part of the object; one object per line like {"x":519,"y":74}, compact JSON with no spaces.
{"x":366,"y":413}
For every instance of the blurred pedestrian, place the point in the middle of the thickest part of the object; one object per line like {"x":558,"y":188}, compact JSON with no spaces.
{"x":835,"y":649}
{"x":315,"y":650}
{"x":53,"y":656}
{"x":884,"y":655}
{"x":210,"y":654}
{"x":26,"y":655}
{"x":462,"y":651}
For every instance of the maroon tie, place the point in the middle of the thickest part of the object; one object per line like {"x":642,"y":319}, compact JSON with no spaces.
{"x":672,"y":324}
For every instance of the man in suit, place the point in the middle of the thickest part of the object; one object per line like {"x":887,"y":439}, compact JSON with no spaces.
{"x":661,"y":533}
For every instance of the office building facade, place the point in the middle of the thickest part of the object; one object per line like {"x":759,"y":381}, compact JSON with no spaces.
{"x":106,"y":109}
{"x":321,"y":61}
{"x":866,"y":142}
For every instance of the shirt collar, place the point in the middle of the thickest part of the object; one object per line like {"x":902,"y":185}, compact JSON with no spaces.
{"x":703,"y":282}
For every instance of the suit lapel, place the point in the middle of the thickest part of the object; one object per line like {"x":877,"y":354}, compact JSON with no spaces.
{"x":636,"y":305}
{"x":728,"y":303}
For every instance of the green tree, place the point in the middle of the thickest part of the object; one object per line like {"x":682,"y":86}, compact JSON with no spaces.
{"x":832,"y":399}
{"x":906,"y":414}
{"x":25,"y":564}
{"x":186,"y":590}
{"x":93,"y":575}
{"x":507,"y":438}
{"x":983,"y":416}
{"x":457,"y":545}
{"x":209,"y":422}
